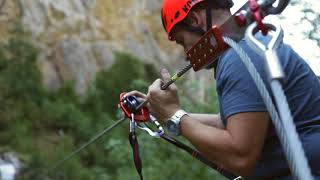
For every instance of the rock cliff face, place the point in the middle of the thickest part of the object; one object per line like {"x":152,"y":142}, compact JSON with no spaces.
{"x":301,"y":24}
{"x":77,"y":38}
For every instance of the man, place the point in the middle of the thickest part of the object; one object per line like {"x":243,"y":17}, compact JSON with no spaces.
{"x":241,"y":138}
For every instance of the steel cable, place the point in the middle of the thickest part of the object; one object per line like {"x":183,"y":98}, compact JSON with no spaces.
{"x":285,"y":129}
{"x":92,"y":140}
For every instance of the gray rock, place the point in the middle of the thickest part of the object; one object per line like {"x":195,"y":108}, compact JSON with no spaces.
{"x":51,"y":78}
{"x":311,"y":16}
{"x":153,"y":5}
{"x":37,"y":14}
{"x":316,"y":35}
{"x":33,"y":16}
{"x":93,"y":42}
{"x":75,"y":61}
{"x":103,"y":53}
{"x":89,"y":3}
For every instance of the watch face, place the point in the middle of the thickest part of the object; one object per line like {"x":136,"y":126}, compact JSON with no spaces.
{"x":172,"y":127}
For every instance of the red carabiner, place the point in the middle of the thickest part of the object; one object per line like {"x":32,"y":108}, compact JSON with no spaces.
{"x":256,"y":13}
{"x":142,"y":115}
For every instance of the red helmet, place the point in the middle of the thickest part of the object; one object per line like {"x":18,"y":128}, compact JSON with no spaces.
{"x":175,"y":11}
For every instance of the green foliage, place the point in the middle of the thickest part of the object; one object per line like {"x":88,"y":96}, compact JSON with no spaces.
{"x":43,"y":127}
{"x":211,"y":104}
{"x":126,"y":74}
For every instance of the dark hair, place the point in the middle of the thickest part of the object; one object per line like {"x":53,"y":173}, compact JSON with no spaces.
{"x":215,"y":4}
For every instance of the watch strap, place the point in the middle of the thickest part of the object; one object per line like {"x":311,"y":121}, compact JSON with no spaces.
{"x":178,"y":115}
{"x":176,"y":119}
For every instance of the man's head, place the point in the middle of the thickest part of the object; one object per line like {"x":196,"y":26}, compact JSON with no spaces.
{"x":185,"y":21}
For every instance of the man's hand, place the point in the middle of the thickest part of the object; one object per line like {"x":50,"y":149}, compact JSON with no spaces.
{"x":164,"y":103}
{"x":141,"y":97}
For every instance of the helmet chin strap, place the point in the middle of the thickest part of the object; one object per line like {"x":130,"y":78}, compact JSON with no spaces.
{"x":199,"y":30}
{"x":196,"y":30}
{"x":209,"y":15}
{"x":209,"y":26}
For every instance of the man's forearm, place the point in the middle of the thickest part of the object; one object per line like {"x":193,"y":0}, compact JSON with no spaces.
{"x":234,"y":147}
{"x":214,"y":143}
{"x":208,"y":119}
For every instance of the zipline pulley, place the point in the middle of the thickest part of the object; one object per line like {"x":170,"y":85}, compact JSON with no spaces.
{"x":130,"y":107}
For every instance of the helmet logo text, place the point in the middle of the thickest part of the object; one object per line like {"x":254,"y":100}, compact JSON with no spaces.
{"x":188,"y":5}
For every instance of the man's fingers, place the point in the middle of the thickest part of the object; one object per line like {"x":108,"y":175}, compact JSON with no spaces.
{"x":136,"y":93}
{"x":156,"y":84}
{"x":141,"y":99}
{"x":165,"y":75}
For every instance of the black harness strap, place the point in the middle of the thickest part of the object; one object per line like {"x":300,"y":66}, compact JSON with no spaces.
{"x":196,"y":154}
{"x":135,"y":150}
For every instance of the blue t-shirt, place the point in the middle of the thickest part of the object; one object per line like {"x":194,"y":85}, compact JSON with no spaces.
{"x":238,"y":93}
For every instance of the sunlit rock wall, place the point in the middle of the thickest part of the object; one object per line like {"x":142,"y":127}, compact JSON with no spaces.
{"x":77,"y":38}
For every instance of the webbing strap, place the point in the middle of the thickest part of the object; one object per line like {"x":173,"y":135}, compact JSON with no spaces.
{"x":135,"y":151}
{"x":196,"y":154}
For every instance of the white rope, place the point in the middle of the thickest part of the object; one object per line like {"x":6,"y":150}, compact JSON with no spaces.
{"x":285,"y":129}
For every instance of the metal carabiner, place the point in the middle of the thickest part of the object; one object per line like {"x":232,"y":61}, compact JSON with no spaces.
{"x":268,"y":50}
{"x":133,"y":124}
{"x":156,"y":134}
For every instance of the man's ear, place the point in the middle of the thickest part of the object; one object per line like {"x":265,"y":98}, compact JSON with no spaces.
{"x":195,"y":19}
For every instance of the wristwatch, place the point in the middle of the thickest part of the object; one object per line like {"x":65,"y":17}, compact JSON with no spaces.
{"x":173,"y":124}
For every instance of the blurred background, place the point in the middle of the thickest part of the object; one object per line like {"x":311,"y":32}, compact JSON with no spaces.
{"x":63,"y":64}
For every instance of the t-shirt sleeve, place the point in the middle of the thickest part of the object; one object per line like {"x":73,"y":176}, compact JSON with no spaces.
{"x":238,"y":92}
